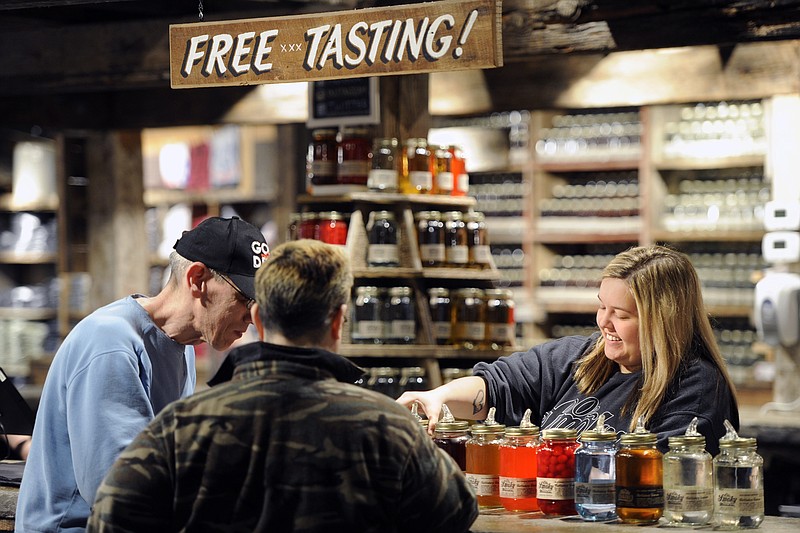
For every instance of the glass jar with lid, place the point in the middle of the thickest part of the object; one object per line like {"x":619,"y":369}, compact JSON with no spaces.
{"x":430,"y":238}
{"x":555,"y":477}
{"x":469,"y":328}
{"x":353,"y":156}
{"x":384,"y":165}
{"x":518,"y":466}
{"x":483,"y":460}
{"x":332,"y":228}
{"x":441,"y":314}
{"x":595,"y":474}
{"x":738,"y":482}
{"x":321,"y":160}
{"x":413,"y":378}
{"x":442,"y":170}
{"x":639,"y":478}
{"x":384,"y":379}
{"x":455,"y":239}
{"x":458,"y":166}
{"x":452,"y":435}
{"x":480,"y":253}
{"x":308,"y":228}
{"x":383,"y":237}
{"x":367,"y":316}
{"x":401,"y":325}
{"x":688,"y":479}
{"x":499,"y":318}
{"x":416,"y":174}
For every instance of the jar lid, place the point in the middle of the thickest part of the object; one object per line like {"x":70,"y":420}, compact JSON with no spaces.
{"x":308,"y":215}
{"x":499,"y":293}
{"x":412,"y":371}
{"x":385,"y":371}
{"x":453,"y":215}
{"x":428,"y":215}
{"x":355,"y":130}
{"x":331,"y":215}
{"x":597,"y":436}
{"x":324,"y":132}
{"x":638,"y":438}
{"x":456,"y":425}
{"x":386,"y":141}
{"x":366,"y":289}
{"x":560,"y":433}
{"x":416,"y":141}
{"x":487,"y":429}
{"x":474,"y":216}
{"x":469,"y":292}
{"x":400,"y":291}
{"x":383,"y":214}
{"x":686,"y":440}
{"x":738,"y":442}
{"x":518,"y":431}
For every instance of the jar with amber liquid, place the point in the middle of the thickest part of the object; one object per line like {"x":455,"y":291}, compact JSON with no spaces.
{"x":469,"y":327}
{"x":416,"y":175}
{"x":458,"y":166}
{"x":555,"y":477}
{"x":452,"y":435}
{"x":321,"y":160}
{"x":518,"y":466}
{"x":639,"y":478}
{"x":483,"y":460}
{"x":456,"y":247}
{"x":480,"y":253}
{"x":442,"y":171}
{"x":430,"y":238}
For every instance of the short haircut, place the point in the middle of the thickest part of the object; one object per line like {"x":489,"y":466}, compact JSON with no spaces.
{"x":301,"y":286}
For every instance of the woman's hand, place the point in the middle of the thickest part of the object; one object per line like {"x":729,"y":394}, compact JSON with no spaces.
{"x":465,"y":397}
{"x":429,"y":401}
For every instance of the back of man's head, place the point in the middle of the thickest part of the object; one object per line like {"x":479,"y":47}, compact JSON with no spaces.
{"x":300,"y":288}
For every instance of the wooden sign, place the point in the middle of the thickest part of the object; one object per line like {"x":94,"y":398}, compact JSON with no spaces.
{"x":447,"y":35}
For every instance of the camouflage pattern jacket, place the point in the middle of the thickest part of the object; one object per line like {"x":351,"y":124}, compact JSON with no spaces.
{"x":289,"y":444}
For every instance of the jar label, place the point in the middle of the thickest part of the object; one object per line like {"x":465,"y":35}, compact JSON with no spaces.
{"x":458,"y":255}
{"x":323,"y":168}
{"x":503,"y":333}
{"x":595,"y":492}
{"x":420,"y":180}
{"x":471,"y":331}
{"x":368,"y":329}
{"x":382,"y":179}
{"x":517,"y":487}
{"x":402,"y":328}
{"x":463,"y":182}
{"x":380,"y":254}
{"x":742,"y":502}
{"x":442,"y":330}
{"x":481,"y":254}
{"x":354,"y":168}
{"x":484,"y":484}
{"x":555,"y":488}
{"x":688,"y":499}
{"x":432,"y":252}
{"x":444,"y":181}
{"x":640,"y":497}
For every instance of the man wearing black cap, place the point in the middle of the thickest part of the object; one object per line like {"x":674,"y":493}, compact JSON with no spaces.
{"x":126,"y":361}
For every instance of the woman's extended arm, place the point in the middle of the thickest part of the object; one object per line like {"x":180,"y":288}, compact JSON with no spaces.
{"x":465,"y":397}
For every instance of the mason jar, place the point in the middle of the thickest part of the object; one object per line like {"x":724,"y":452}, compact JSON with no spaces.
{"x":688,"y":481}
{"x":595,"y":474}
{"x":640,"y":478}
{"x":738,"y":485}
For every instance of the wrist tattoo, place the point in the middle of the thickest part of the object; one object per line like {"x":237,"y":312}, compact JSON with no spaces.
{"x":478,"y":403}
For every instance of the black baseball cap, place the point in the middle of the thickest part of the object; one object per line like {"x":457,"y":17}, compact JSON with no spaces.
{"x":230,"y":246}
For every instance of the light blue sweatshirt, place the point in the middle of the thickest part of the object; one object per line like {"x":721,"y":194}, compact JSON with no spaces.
{"x":114,"y":371}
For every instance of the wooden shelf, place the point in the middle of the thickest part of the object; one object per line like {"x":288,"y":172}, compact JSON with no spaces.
{"x":587,"y":237}
{"x":710,"y":163}
{"x":589,"y":166}
{"x":7,"y":204}
{"x":157,"y":197}
{"x":390,"y":199}
{"x":28,"y":258}
{"x":28,"y":313}
{"x":421,"y":351}
{"x":709,"y":236}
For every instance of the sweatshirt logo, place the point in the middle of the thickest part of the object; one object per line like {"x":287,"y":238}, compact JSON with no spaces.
{"x":579,"y":415}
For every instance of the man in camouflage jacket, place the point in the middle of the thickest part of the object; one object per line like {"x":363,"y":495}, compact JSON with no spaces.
{"x":288,"y":444}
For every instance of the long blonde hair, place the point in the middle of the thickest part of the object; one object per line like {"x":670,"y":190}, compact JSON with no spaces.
{"x":673,"y":326}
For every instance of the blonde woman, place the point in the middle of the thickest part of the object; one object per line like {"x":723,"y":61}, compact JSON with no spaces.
{"x":654,"y":356}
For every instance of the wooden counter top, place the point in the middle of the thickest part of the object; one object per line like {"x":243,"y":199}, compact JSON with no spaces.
{"x":496,"y":521}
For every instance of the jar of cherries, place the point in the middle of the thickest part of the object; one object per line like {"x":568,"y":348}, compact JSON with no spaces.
{"x":555,"y":476}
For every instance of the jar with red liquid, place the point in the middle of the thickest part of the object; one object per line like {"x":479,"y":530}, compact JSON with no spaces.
{"x":332,"y":228}
{"x":309,"y":226}
{"x":555,"y":481}
{"x":483,"y":461}
{"x":452,"y":435}
{"x":518,"y":466}
{"x":354,"y":161}
{"x":640,"y":478}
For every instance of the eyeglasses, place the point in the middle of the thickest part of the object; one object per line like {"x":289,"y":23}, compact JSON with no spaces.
{"x":247,"y":300}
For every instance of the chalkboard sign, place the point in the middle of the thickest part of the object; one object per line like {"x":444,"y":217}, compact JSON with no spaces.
{"x":343,"y":101}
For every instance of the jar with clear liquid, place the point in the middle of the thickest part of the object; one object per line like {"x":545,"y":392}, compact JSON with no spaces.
{"x":595,"y":474}
{"x":738,"y":483}
{"x":688,"y":480}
